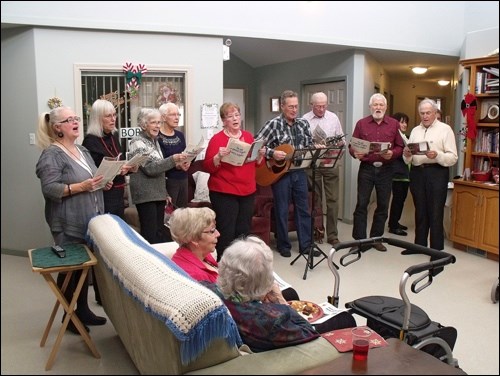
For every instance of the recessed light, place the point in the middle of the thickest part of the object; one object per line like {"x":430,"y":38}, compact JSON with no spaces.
{"x":419,"y":70}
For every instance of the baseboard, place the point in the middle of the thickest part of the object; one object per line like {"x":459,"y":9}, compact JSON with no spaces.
{"x":13,"y":252}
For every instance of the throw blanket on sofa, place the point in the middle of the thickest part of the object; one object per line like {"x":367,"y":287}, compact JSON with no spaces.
{"x":194,"y":314}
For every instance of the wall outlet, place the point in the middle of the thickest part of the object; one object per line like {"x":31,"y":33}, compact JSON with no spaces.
{"x":32,"y":139}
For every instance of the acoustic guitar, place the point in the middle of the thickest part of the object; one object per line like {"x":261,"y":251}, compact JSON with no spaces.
{"x":271,"y":170}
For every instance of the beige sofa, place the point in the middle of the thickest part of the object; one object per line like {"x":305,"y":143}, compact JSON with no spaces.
{"x":171,"y":324}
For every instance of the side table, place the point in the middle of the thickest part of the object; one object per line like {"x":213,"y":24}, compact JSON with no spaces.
{"x":69,"y":308}
{"x":396,"y":359}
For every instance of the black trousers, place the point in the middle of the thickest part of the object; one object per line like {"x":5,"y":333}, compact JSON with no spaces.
{"x":233,"y":216}
{"x":429,"y":187}
{"x":399,"y":194}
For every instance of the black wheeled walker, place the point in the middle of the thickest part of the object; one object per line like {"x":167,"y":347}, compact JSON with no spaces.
{"x":394,"y":317}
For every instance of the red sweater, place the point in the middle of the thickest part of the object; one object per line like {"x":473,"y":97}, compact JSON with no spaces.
{"x":194,"y":267}
{"x":226,"y":178}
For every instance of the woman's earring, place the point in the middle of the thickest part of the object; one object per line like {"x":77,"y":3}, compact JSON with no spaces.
{"x":60,"y":134}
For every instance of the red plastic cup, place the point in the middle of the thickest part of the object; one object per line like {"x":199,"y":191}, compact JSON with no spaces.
{"x":360,"y":343}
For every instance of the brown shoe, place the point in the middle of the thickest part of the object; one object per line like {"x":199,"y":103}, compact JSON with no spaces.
{"x":333,"y":241}
{"x":380,"y":247}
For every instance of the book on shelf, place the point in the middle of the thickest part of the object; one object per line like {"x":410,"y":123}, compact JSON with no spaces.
{"x":418,"y":148}
{"x":241,"y":152}
{"x":492,"y":70}
{"x":367,"y":147}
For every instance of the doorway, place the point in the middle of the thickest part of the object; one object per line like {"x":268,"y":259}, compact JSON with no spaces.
{"x":336,"y":94}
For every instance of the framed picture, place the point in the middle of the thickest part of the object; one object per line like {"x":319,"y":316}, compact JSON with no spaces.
{"x":275,"y":104}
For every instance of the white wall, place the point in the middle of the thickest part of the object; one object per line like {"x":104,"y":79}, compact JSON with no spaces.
{"x":434,"y":27}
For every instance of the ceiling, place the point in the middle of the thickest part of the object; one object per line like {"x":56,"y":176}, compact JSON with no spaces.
{"x":260,"y":52}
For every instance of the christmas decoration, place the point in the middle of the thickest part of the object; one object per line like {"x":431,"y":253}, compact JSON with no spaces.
{"x":469,"y":106}
{"x":134,"y":77}
{"x":54,"y":102}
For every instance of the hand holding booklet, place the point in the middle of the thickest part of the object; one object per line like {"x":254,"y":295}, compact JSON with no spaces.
{"x":241,"y":152}
{"x":366,"y":147}
{"x":419,"y":148}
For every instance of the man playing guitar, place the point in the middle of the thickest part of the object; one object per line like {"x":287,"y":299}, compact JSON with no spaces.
{"x":285,"y":133}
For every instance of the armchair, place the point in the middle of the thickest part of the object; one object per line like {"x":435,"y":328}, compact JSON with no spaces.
{"x":263,"y":221}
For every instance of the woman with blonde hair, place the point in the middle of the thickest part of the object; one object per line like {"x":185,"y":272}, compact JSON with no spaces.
{"x":70,"y":188}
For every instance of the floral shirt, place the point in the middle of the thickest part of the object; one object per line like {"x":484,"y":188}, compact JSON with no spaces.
{"x":267,"y":326}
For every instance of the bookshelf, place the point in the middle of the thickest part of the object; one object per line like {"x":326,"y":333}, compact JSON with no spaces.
{"x":474,"y":221}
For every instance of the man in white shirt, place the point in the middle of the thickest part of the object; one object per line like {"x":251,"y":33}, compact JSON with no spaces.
{"x":429,"y":174}
{"x":325,"y":125}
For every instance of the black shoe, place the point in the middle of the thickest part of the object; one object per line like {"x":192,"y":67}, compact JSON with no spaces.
{"x":72,"y":328}
{"x":90,"y":318}
{"x":380,"y":247}
{"x":315,"y":253}
{"x":402,"y":227}
{"x":398,"y":231}
{"x":286,"y":253}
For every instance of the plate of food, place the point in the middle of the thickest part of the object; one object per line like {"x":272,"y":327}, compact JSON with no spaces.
{"x":308,"y":310}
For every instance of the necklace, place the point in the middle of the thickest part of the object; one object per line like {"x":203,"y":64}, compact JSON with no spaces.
{"x":80,"y":160}
{"x":111,"y":149}
{"x":226,"y":132}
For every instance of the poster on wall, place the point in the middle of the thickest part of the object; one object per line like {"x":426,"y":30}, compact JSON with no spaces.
{"x":209,"y":115}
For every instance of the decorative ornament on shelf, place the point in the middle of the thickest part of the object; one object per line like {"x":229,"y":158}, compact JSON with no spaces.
{"x":463,"y":136}
{"x":54,"y":102}
{"x":469,"y":107}
{"x":134,"y":75}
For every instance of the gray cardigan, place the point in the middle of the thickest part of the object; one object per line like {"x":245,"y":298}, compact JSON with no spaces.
{"x":148,"y":183}
{"x":70,"y":214}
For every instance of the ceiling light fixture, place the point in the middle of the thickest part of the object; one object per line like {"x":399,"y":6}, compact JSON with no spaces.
{"x":419,"y":70}
{"x":443,"y":82}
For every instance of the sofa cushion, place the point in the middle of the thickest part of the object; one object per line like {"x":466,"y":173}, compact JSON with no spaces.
{"x":290,"y":360}
{"x":194,"y":314}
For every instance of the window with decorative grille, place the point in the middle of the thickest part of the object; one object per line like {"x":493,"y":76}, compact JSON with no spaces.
{"x":154,"y":90}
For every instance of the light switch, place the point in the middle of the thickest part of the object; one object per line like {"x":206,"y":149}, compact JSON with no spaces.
{"x":32,"y":139}
{"x":210,"y":133}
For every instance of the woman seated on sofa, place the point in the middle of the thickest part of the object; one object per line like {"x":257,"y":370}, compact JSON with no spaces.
{"x":194,"y":229}
{"x":245,"y":282}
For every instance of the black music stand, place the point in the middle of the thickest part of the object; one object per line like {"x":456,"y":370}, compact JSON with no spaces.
{"x":313,"y":158}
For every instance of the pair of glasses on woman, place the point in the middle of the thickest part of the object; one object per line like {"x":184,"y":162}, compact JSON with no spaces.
{"x":72,"y":119}
{"x":212,"y":231}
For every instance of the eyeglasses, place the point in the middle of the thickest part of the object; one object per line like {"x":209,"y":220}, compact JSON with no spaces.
{"x":212,"y":231}
{"x":71,"y":119}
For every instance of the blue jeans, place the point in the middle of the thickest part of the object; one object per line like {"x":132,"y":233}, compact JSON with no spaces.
{"x":370,"y":177}
{"x":292,"y":187}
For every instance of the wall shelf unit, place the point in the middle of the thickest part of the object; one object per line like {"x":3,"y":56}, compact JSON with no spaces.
{"x":475,"y":213}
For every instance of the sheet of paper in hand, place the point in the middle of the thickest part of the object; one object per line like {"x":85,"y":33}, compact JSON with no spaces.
{"x":419,"y":148}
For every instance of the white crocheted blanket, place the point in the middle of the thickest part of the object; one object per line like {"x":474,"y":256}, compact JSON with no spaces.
{"x":194,"y":314}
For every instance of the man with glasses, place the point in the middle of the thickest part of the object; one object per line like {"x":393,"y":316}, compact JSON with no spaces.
{"x":289,"y":129}
{"x":325,"y":125}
